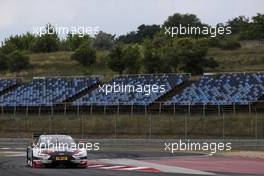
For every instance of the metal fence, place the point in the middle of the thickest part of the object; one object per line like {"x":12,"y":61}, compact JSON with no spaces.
{"x":152,"y":121}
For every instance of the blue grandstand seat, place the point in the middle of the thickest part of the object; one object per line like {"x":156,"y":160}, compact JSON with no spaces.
{"x":99,"y":98}
{"x":47,"y":91}
{"x":223,"y":89}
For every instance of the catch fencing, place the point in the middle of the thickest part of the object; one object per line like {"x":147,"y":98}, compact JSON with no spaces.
{"x":234,"y":121}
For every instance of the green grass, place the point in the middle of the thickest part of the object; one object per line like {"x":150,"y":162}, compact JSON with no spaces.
{"x":61,"y":64}
{"x":240,"y":60}
{"x":240,"y":125}
{"x":247,"y":58}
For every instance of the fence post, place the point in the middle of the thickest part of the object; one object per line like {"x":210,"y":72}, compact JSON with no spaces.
{"x":203,"y":109}
{"x":91,"y":109}
{"x":150,"y":126}
{"x":27,"y":111}
{"x":78,"y":110}
{"x":118,"y":109}
{"x":185,"y":126}
{"x":174,"y":109}
{"x":159,"y":108}
{"x":223,"y":130}
{"x":14,"y":113}
{"x":204,"y":121}
{"x":145,"y":110}
{"x":39,"y":110}
{"x":249,"y":109}
{"x":26,"y":117}
{"x":115,"y":126}
{"x":65,"y":108}
{"x":50,"y":123}
{"x":146,"y":120}
{"x":189,"y":109}
{"x":256,"y":125}
{"x":132,"y":109}
{"x":52,"y":110}
{"x":219,"y":112}
{"x":2,"y":110}
{"x":82,"y":121}
{"x":234,"y":108}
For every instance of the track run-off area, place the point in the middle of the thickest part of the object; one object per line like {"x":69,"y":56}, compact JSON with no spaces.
{"x":116,"y":160}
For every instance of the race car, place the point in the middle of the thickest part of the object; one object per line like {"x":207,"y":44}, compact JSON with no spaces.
{"x":56,"y":150}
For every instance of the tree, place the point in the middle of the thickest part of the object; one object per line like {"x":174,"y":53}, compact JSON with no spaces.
{"x":182,"y":22}
{"x":8,"y":48}
{"x":258,"y":26}
{"x":48,"y":42}
{"x":152,"y":61}
{"x":74,"y":41}
{"x":18,"y":61}
{"x":103,"y":41}
{"x":21,"y":42}
{"x":147,"y":31}
{"x":116,"y":60}
{"x":192,"y":55}
{"x":178,"y":19}
{"x":170,"y":57}
{"x":131,"y":37}
{"x":143,"y":32}
{"x":3,"y":62}
{"x":238,"y":24}
{"x":131,"y":58}
{"x":85,"y":55}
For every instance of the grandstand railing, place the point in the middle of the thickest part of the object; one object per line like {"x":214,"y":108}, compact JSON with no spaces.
{"x":156,"y":74}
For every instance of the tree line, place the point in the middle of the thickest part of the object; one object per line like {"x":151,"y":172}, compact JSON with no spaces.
{"x":146,"y":50}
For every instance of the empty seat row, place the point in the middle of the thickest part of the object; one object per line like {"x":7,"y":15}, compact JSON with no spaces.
{"x":223,"y":89}
{"x":135,"y":97}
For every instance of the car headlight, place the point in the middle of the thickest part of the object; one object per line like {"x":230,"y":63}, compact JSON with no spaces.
{"x":79,"y":153}
{"x":44,"y":153}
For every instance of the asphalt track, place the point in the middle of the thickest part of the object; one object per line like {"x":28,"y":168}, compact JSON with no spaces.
{"x":16,"y":165}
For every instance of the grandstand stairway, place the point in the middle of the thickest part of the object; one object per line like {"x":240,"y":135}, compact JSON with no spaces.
{"x":169,"y":94}
{"x":82,"y":93}
{"x":10,"y":89}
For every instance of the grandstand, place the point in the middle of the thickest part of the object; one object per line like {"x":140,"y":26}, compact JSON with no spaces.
{"x":222,"y":89}
{"x":47,"y":91}
{"x":210,"y":89}
{"x":98,"y":98}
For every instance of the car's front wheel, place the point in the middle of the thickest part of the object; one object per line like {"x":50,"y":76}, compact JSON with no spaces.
{"x":29,"y":160}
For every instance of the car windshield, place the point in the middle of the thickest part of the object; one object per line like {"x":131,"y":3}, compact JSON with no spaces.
{"x":55,"y":140}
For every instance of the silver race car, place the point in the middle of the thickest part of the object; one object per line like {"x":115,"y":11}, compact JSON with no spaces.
{"x":56,"y":150}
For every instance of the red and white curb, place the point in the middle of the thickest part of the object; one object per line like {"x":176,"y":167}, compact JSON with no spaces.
{"x":122,"y":167}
